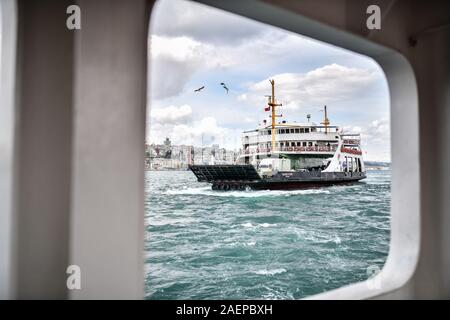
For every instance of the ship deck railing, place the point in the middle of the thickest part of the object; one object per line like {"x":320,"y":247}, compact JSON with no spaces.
{"x":294,"y":149}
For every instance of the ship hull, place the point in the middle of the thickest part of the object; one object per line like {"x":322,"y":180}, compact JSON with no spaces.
{"x":297,"y":185}
{"x":241,"y":177}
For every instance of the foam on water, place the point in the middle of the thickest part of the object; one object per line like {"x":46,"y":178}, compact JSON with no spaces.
{"x":263,"y":225}
{"x":266,"y":225}
{"x":271,"y":272}
{"x":248,"y":225}
{"x":207,"y":191}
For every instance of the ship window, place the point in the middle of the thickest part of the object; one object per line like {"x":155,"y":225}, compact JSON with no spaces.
{"x":213,"y":134}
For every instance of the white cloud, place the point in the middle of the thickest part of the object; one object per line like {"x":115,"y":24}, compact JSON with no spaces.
{"x":202,"y":23}
{"x":242,"y":97}
{"x":177,"y":124}
{"x":176,"y":60}
{"x":187,"y":38}
{"x":206,"y":127}
{"x":328,"y":84}
{"x":375,"y":139}
{"x":172,"y":114}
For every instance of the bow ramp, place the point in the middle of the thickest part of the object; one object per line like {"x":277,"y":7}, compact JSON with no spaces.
{"x":212,"y":173}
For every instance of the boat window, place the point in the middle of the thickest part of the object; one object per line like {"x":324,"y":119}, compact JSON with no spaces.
{"x":196,"y":131}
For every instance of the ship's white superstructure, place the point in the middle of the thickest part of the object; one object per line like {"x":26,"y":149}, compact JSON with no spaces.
{"x":308,"y":146}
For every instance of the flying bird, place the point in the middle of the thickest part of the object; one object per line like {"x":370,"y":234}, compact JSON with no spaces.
{"x":199,"y":89}
{"x":224,"y":86}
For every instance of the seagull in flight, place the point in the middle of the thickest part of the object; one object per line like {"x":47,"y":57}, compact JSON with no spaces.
{"x":224,"y":86}
{"x":199,"y":89}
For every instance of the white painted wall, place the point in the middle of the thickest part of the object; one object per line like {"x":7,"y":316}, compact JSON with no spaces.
{"x":8,"y":31}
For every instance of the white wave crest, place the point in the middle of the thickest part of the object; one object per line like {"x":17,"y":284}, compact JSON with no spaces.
{"x":266,"y":225}
{"x":247,"y":225}
{"x":271,"y":272}
{"x":263,"y":225}
{"x":207,"y":191}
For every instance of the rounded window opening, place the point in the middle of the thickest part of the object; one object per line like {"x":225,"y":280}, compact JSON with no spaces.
{"x":241,"y":115}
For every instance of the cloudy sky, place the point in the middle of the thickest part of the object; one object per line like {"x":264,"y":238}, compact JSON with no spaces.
{"x":192,"y":45}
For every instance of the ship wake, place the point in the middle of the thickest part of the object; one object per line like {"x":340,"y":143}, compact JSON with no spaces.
{"x":207,"y":191}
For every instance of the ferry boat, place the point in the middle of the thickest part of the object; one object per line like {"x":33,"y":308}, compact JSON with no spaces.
{"x":289,"y":155}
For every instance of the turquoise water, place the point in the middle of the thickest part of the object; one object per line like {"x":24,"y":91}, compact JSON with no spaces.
{"x":204,"y":244}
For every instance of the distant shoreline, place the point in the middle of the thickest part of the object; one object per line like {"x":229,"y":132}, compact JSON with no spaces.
{"x":169,"y":170}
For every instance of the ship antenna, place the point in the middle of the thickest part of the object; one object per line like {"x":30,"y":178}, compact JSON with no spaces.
{"x":273,"y":104}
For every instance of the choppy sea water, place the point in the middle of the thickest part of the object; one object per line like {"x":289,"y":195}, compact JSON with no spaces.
{"x":205,"y":244}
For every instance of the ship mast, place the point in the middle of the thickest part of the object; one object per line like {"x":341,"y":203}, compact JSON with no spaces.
{"x":326,"y":122}
{"x":272,"y":104}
